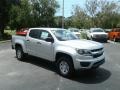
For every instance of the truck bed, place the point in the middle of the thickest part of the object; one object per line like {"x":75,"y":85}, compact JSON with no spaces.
{"x":17,"y":39}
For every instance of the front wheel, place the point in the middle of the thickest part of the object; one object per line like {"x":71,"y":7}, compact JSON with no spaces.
{"x":65,"y":66}
{"x":105,"y":40}
{"x":114,"y":39}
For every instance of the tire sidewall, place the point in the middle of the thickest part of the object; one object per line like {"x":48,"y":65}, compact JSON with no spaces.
{"x":70,"y":64}
{"x":19,"y":49}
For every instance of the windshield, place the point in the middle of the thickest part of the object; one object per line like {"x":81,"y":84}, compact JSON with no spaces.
{"x":64,"y":35}
{"x":97,"y":30}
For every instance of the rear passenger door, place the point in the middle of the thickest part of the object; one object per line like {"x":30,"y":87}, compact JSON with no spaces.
{"x":32,"y":42}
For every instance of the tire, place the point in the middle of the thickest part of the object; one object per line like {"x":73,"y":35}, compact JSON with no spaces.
{"x":65,"y":66}
{"x":88,"y":38}
{"x":19,"y":53}
{"x":105,"y":40}
{"x":114,"y":39}
{"x":91,"y":39}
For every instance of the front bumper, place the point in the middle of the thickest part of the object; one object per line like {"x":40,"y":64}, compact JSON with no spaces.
{"x":99,"y":39}
{"x":89,"y":63}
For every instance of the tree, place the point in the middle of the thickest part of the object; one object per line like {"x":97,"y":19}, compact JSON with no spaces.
{"x":4,"y":13}
{"x":92,"y":9}
{"x":80,"y":19}
{"x":20,"y":15}
{"x":97,"y":13}
{"x":33,"y":13}
{"x":58,"y":21}
{"x":43,"y":12}
{"x":108,"y":17}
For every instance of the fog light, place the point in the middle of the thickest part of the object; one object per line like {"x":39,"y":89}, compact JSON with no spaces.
{"x":84,"y":64}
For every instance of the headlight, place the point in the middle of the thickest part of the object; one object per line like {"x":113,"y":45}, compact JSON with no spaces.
{"x":84,"y":52}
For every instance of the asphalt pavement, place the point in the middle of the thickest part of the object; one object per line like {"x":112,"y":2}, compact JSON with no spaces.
{"x":38,"y":74}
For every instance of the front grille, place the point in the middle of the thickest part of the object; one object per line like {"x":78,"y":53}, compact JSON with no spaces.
{"x":104,"y":36}
{"x":97,"y":55}
{"x":95,"y":50}
{"x":100,"y":36}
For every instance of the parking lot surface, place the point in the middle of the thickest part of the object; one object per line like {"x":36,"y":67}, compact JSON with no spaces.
{"x":38,"y":74}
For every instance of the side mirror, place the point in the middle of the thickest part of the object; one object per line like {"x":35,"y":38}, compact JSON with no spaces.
{"x":49,"y":39}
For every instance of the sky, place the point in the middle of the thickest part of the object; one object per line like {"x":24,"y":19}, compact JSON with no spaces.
{"x":68,"y":4}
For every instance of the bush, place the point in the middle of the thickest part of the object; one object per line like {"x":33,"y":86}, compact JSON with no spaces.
{"x":83,"y":35}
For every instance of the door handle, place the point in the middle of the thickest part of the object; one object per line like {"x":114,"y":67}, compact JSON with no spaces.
{"x":38,"y":43}
{"x":27,"y":40}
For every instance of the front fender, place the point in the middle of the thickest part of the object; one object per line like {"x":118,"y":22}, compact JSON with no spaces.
{"x":65,"y":49}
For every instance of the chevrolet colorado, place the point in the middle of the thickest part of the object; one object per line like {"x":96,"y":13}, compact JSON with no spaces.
{"x":60,"y":46}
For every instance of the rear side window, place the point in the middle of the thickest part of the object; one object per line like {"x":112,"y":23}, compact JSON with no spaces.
{"x":34,"y":34}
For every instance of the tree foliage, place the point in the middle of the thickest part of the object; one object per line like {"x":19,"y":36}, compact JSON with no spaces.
{"x":20,"y":15}
{"x":96,"y":13}
{"x":27,"y":13}
{"x":43,"y":12}
{"x":5,"y":6}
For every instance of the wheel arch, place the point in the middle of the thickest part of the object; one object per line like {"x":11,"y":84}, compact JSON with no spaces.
{"x":18,"y":45}
{"x":61,"y":54}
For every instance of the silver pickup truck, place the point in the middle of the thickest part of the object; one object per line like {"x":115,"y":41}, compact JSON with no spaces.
{"x":60,"y":46}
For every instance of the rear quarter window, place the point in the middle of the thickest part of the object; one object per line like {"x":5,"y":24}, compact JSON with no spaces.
{"x":34,"y":34}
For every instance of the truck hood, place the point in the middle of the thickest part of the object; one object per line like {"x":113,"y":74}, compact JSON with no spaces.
{"x":82,"y":44}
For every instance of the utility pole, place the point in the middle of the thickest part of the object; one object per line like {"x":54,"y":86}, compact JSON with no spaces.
{"x":63,"y":15}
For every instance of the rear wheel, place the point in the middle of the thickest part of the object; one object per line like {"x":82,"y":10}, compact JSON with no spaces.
{"x":19,"y":53}
{"x":65,"y":66}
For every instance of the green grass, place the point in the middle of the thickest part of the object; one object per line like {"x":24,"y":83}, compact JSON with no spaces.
{"x":7,"y":35}
{"x":10,"y":32}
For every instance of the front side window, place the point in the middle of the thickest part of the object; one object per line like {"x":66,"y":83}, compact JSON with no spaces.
{"x":44,"y":35}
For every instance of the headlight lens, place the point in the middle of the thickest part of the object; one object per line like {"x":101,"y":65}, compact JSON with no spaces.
{"x":84,"y":52}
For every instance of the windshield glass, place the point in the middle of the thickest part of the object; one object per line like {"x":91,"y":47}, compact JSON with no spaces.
{"x":98,"y":30}
{"x":64,"y":35}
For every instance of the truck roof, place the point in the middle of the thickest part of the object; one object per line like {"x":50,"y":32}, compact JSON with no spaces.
{"x":49,"y":29}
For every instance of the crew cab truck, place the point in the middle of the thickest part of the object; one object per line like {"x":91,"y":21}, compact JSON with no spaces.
{"x":60,"y":46}
{"x":97,"y":34}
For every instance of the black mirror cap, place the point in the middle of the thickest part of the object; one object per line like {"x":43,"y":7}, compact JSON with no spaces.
{"x":49,"y":39}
